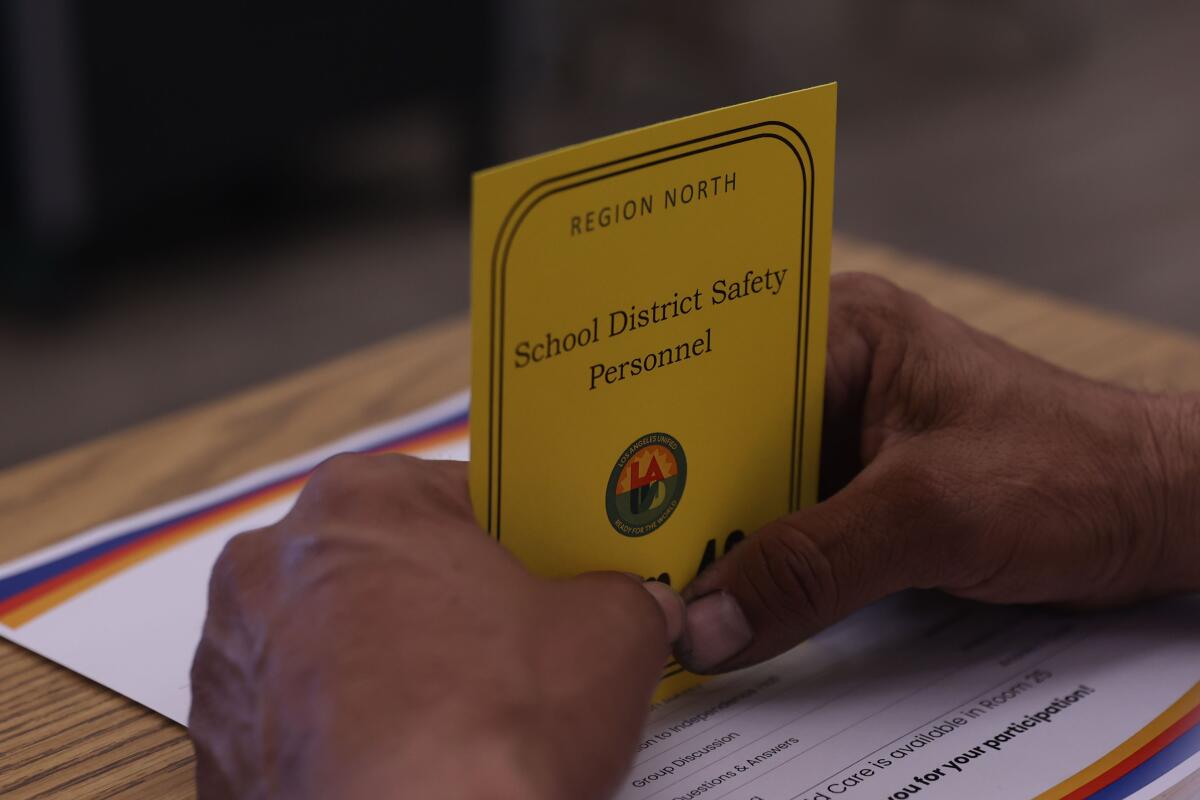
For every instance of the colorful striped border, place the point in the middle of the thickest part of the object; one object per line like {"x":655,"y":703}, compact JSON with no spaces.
{"x":1170,"y":739}
{"x":28,"y":594}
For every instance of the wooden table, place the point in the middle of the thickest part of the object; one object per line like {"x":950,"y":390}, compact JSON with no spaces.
{"x":63,"y":736}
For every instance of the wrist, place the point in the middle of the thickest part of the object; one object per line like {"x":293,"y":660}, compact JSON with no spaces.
{"x":1173,"y":453}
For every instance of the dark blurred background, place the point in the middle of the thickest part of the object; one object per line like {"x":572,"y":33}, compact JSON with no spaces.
{"x":195,"y":197}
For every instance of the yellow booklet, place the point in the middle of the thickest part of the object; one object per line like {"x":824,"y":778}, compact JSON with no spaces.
{"x":649,"y":315}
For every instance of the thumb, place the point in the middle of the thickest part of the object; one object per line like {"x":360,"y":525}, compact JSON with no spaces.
{"x":805,"y":571}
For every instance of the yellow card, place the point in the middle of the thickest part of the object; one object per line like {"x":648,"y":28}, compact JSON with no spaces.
{"x":649,"y":315}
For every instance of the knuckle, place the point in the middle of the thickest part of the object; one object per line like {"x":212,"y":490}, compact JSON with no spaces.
{"x":870,"y":303}
{"x":350,"y":485}
{"x":341,"y":486}
{"x":862,"y":285}
{"x":786,"y":577}
{"x":240,"y":551}
{"x":241,"y":569}
{"x":340,"y":475}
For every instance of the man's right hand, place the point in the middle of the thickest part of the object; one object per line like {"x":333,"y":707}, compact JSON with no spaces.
{"x":954,"y":461}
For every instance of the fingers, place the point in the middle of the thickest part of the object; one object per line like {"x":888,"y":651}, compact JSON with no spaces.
{"x":869,"y":326}
{"x":805,"y":571}
{"x":670,"y":604}
{"x":223,"y":675}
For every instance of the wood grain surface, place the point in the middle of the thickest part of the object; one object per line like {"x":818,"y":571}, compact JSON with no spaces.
{"x":62,"y":736}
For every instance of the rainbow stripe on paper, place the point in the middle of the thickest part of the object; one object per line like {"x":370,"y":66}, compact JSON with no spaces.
{"x":26,"y":595}
{"x":1170,"y":739}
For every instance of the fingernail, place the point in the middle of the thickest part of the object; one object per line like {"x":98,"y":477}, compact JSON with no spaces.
{"x":703,"y":584}
{"x":716,"y":630}
{"x":671,"y":604}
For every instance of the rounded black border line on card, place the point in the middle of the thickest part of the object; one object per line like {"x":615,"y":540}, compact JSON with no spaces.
{"x":500,"y":264}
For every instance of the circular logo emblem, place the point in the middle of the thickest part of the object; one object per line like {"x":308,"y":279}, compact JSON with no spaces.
{"x":646,"y":484}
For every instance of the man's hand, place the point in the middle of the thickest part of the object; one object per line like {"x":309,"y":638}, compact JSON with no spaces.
{"x":952,"y":460}
{"x":377,"y":643}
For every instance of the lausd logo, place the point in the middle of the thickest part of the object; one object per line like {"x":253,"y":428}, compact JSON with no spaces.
{"x":646,"y":484}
